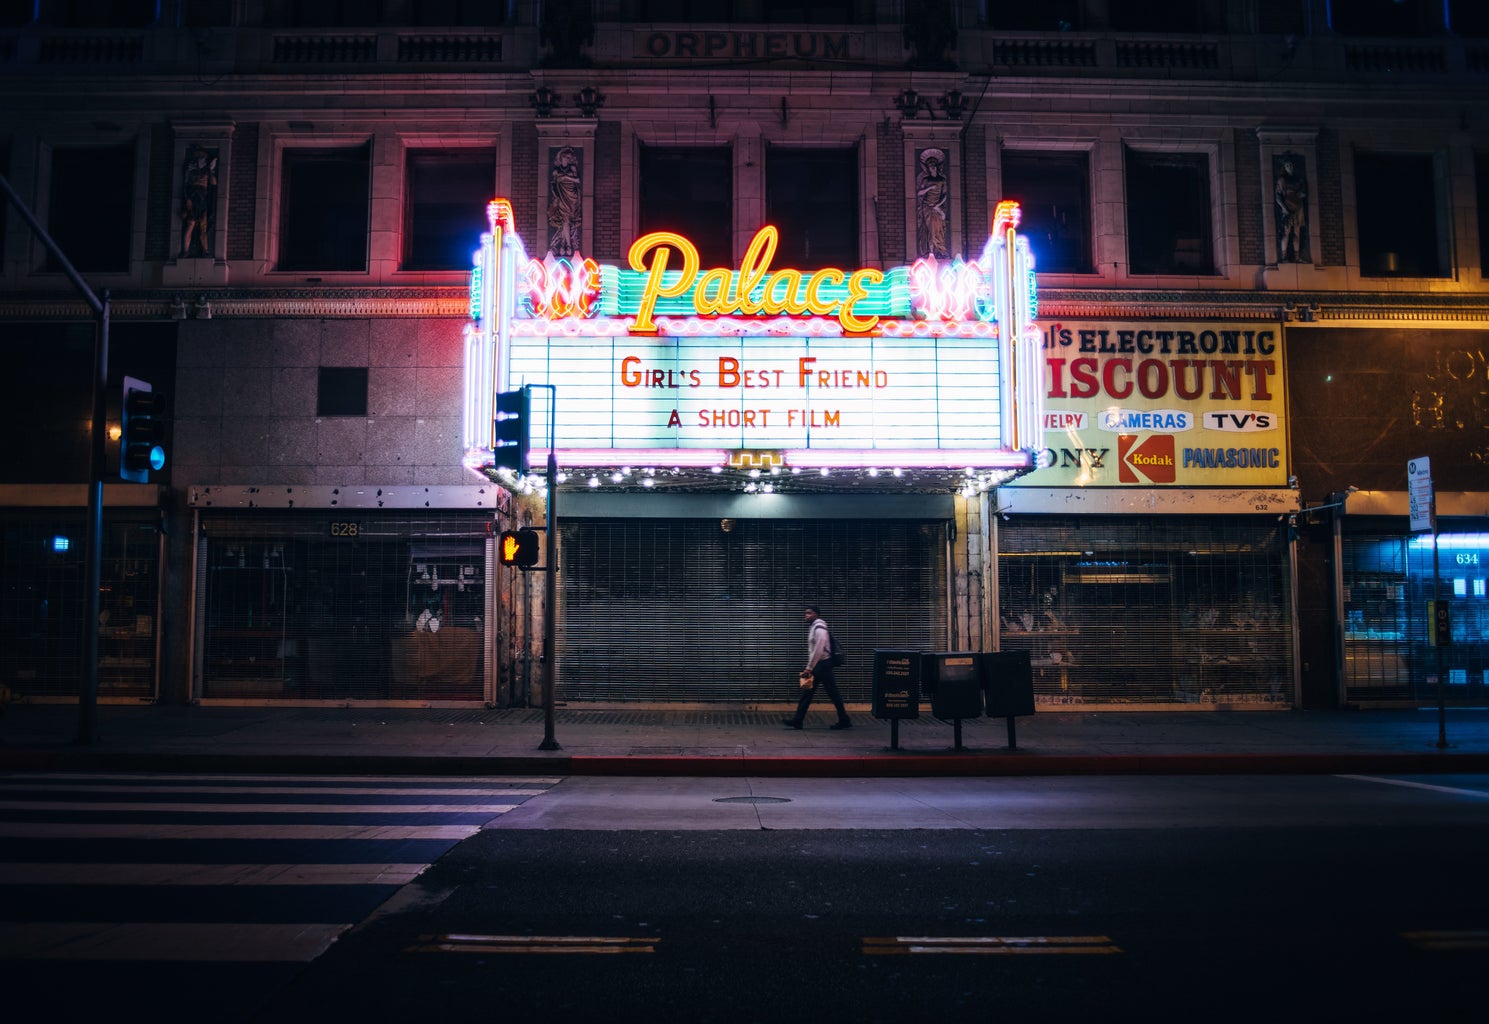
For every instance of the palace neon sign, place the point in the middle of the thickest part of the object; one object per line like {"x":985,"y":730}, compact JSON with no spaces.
{"x":931,"y":364}
{"x":754,"y":290}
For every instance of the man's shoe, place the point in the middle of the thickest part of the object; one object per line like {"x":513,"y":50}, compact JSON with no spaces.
{"x":844,"y":724}
{"x":791,"y":723}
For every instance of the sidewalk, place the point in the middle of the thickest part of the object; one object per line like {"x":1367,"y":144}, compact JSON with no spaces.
{"x":726,"y":742}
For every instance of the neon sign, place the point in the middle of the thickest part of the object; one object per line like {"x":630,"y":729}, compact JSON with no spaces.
{"x":664,"y":361}
{"x":753,"y":290}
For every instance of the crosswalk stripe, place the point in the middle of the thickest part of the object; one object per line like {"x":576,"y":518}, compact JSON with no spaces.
{"x":63,"y":830}
{"x":532,"y":944}
{"x":66,"y":823}
{"x":8,"y":785}
{"x":991,"y":945}
{"x":209,"y":874}
{"x":256,"y":808}
{"x":139,"y":941}
{"x":70,"y":780}
{"x":1448,"y":941}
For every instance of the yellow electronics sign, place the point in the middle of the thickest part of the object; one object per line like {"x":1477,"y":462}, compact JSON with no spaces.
{"x":1162,"y":404}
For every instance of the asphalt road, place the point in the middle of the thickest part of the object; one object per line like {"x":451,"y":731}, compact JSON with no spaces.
{"x":1185,"y":899}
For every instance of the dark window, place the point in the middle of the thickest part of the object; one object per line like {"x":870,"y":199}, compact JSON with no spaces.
{"x":206,"y":13}
{"x":1054,"y":192}
{"x":691,"y":192}
{"x":89,"y":214}
{"x":1282,"y":16}
{"x":108,"y":13}
{"x":5,"y":206}
{"x":1469,"y":18}
{"x":1380,"y":17}
{"x":1022,"y":16}
{"x":1168,"y":213}
{"x":445,"y":207}
{"x":456,"y":12}
{"x":324,"y":13}
{"x":15,"y":13}
{"x":780,"y":12}
{"x":1155,"y":15}
{"x":1481,"y":176}
{"x":1396,"y":211}
{"x":324,"y":204}
{"x":811,"y":195}
{"x":341,"y":391}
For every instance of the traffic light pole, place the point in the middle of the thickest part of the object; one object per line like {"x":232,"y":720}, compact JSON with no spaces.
{"x":550,"y":560}
{"x":93,"y":576}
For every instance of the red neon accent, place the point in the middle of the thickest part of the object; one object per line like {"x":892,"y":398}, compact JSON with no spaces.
{"x":499,"y":215}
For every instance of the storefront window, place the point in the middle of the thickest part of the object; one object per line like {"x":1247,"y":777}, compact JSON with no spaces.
{"x":1139,"y":610}
{"x":1388,"y":582}
{"x":344,"y":606}
{"x":42,"y":609}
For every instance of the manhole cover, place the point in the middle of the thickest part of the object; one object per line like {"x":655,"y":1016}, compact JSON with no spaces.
{"x":751,"y":800}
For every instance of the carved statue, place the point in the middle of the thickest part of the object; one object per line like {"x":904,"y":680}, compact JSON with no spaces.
{"x":565,"y":202}
{"x":198,"y":201}
{"x":1290,"y":197}
{"x":932,"y":197}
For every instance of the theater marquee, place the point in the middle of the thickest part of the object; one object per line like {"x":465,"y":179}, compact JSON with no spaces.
{"x":1161,"y":404}
{"x":668,"y":362}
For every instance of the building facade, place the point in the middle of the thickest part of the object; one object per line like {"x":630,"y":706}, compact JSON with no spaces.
{"x":1259,"y":233}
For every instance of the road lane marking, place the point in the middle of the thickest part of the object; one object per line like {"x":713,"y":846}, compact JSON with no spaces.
{"x":255,"y":808}
{"x":209,"y":874}
{"x":1451,"y":790}
{"x":1448,"y":941}
{"x":137,"y":941}
{"x":991,"y":945}
{"x":532,"y":944}
{"x":45,"y":830}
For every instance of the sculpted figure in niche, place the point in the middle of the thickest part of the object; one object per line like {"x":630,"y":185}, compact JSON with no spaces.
{"x":198,"y":201}
{"x":932,"y":195}
{"x":565,"y":197}
{"x":1290,"y":197}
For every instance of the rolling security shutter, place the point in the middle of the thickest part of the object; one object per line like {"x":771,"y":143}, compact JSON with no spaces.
{"x":1149,"y":609}
{"x":322,"y":605}
{"x":686,"y":610}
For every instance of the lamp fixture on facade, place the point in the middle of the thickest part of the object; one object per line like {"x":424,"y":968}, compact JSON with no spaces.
{"x":589,"y":100}
{"x":908,"y":102}
{"x":954,"y":103}
{"x":178,"y":308}
{"x":543,"y":99}
{"x":202,"y":309}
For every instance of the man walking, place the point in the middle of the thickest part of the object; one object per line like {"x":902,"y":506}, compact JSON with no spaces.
{"x":820,"y":670}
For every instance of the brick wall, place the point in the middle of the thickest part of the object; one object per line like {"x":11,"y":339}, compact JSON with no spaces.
{"x":531,"y":211}
{"x":1250,"y":197}
{"x":159,"y":222}
{"x":974,"y":170}
{"x":607,"y":190}
{"x":1329,"y":186}
{"x":243,"y":192}
{"x":891,"y":205}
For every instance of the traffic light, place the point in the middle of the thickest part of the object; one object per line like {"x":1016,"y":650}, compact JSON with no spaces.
{"x":519,"y":548}
{"x":142,"y":432}
{"x":510,"y":436}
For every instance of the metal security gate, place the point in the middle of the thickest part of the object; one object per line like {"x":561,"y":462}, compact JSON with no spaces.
{"x":1149,"y":609}
{"x":709,"y":610}
{"x":327,"y":605}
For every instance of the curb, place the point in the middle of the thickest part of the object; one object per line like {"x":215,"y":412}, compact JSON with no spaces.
{"x":733,"y":766}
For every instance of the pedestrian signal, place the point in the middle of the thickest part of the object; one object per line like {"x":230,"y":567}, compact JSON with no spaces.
{"x":519,"y":548}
